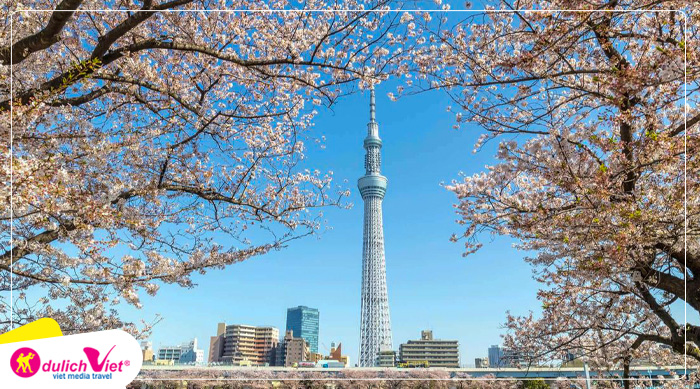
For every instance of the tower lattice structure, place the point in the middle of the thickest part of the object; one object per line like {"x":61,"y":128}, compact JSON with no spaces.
{"x":375,"y":324}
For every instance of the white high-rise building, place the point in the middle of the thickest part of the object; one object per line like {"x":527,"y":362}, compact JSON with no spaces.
{"x":375,"y":324}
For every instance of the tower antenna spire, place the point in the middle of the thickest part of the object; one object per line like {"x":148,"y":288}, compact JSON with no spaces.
{"x":372,"y":106}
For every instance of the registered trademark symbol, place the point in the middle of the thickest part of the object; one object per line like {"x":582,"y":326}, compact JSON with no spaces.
{"x":127,"y":363}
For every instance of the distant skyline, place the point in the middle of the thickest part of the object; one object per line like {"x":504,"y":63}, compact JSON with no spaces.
{"x":430,"y":285}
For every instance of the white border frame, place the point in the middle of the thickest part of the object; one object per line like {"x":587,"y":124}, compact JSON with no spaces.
{"x":685,"y":159}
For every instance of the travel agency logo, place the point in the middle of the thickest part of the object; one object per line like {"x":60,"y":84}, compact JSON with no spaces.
{"x":105,"y":359}
{"x":27,"y":360}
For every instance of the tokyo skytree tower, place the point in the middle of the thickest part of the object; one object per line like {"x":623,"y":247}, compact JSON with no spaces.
{"x":375,"y":325}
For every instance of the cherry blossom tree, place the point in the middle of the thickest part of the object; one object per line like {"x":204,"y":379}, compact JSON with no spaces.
{"x":597,"y":168}
{"x":158,"y":141}
{"x":305,"y":379}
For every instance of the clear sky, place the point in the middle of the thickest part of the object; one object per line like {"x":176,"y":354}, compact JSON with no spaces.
{"x":431,"y":286}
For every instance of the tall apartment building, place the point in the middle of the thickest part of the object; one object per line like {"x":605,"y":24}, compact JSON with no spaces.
{"x":295,"y":349}
{"x":237,"y":343}
{"x":304,"y":322}
{"x":184,"y":353}
{"x":437,"y":352}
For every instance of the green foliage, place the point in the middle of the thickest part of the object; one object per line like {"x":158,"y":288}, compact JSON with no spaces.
{"x":534,"y":384}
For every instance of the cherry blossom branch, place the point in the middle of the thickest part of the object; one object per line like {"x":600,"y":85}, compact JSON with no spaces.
{"x":43,"y":39}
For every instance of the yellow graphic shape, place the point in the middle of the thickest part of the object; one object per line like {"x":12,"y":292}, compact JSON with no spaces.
{"x":40,"y":329}
{"x":23,"y":362}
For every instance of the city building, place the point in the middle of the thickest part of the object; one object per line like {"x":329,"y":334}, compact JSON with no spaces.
{"x":277,"y":354}
{"x":505,"y":357}
{"x":481,"y":363}
{"x":192,"y":354}
{"x":295,"y":350}
{"x":496,"y":356}
{"x":291,"y":351}
{"x":315,"y":357}
{"x":436,"y":352}
{"x":304,"y":321}
{"x":147,"y":351}
{"x":337,"y":354}
{"x":387,"y":358}
{"x":375,"y":323}
{"x":185,"y":353}
{"x":239,"y":344}
{"x":169,"y":353}
{"x":571,"y":359}
{"x":216,"y":344}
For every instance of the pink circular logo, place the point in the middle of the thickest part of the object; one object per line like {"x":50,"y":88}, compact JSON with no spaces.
{"x":25,"y":362}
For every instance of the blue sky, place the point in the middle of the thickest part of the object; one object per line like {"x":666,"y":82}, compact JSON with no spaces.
{"x":431,"y":286}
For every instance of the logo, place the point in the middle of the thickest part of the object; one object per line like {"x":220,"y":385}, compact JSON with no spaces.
{"x":25,"y":362}
{"x":111,"y":361}
{"x":92,"y":356}
{"x":71,"y":366}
